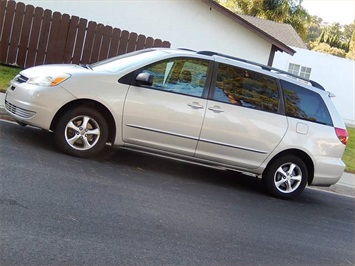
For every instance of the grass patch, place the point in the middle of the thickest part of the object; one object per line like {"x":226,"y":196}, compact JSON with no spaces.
{"x":349,"y":154}
{"x":7,"y":74}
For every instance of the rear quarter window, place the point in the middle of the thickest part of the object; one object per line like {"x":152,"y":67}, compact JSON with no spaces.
{"x":305,"y":104}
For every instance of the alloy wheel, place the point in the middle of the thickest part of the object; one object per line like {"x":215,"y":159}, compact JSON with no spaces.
{"x":82,"y":133}
{"x":288,"y":177}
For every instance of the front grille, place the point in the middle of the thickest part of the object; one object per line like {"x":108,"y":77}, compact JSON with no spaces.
{"x":23,"y":113}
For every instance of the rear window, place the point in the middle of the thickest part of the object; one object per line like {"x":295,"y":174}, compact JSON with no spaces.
{"x":305,"y":104}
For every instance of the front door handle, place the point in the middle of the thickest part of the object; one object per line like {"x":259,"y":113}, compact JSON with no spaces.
{"x":216,"y":109}
{"x":195,"y":105}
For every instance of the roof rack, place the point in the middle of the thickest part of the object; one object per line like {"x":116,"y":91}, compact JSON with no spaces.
{"x":186,"y":49}
{"x":264,"y":67}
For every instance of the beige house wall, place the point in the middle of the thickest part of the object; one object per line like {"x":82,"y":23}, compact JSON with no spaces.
{"x":189,"y":24}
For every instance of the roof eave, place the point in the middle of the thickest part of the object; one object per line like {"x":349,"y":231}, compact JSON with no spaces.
{"x":279,"y":45}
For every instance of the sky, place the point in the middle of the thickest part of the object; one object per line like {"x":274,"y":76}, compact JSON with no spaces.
{"x":342,"y":11}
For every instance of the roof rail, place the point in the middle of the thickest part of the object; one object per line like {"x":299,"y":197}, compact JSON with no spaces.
{"x":186,"y":49}
{"x":264,"y":67}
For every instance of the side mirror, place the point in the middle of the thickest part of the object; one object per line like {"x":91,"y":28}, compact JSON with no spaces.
{"x":144,"y":79}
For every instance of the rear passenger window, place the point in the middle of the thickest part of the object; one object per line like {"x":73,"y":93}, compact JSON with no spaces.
{"x":305,"y":104}
{"x":246,"y":88}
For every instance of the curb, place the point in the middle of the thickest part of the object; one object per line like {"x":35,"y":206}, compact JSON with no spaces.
{"x":338,"y":189}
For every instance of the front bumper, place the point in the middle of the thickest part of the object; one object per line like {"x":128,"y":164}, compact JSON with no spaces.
{"x":18,"y":111}
{"x":35,"y":105}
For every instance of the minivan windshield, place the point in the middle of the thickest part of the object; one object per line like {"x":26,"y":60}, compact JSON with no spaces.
{"x":126,"y":61}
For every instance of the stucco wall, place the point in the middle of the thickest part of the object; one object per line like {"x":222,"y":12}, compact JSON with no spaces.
{"x":335,"y":74}
{"x":189,"y":24}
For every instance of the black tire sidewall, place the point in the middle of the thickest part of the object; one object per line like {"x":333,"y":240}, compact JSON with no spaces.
{"x":69,"y":115}
{"x":268,"y":176}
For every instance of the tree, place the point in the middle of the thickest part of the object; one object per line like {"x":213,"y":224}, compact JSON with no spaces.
{"x":351,"y":53}
{"x":334,"y":39}
{"x":299,"y":19}
{"x":275,"y":10}
{"x":327,"y":49}
{"x":348,"y":31}
{"x":315,"y":29}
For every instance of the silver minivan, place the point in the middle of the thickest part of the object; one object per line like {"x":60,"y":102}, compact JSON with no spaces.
{"x":200,"y":107}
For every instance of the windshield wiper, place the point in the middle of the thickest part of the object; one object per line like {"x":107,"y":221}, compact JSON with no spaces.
{"x":86,"y":66}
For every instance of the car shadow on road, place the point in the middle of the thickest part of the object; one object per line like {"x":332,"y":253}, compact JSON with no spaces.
{"x":182,"y":170}
{"x":232,"y":180}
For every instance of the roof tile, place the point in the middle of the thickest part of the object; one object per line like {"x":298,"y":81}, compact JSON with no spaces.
{"x":283,"y":32}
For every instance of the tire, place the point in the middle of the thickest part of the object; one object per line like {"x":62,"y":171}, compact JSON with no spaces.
{"x":81,"y":132}
{"x":286,"y":177}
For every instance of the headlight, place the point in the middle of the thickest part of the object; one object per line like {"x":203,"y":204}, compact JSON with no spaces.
{"x":48,"y":80}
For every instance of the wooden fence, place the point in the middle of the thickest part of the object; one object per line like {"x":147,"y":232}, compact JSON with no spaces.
{"x":32,"y":36}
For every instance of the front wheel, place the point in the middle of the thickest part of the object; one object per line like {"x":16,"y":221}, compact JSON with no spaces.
{"x":286,"y":177}
{"x":81,"y":132}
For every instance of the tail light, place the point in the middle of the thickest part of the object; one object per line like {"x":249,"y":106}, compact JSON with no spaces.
{"x":342,"y":135}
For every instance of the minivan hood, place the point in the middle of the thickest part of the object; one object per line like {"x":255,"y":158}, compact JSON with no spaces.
{"x":52,"y":70}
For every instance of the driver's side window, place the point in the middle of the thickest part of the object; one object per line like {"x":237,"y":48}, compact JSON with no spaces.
{"x":182,"y":75}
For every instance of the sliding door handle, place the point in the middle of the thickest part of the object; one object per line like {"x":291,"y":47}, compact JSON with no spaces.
{"x":216,"y":109}
{"x":195,"y":105}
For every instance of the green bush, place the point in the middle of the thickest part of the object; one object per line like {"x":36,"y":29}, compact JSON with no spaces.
{"x":349,"y":155}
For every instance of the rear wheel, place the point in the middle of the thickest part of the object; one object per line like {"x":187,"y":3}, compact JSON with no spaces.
{"x":81,"y":132}
{"x":286,"y":177}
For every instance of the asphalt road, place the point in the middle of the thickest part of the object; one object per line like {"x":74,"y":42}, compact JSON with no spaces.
{"x":132,"y":209}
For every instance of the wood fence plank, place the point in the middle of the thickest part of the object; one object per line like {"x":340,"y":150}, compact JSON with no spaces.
{"x":90,"y":34}
{"x":61,"y":39}
{"x":35,"y":35}
{"x":2,"y":12}
{"x":115,"y":39}
{"x":10,"y":11}
{"x":166,"y":44}
{"x":106,"y":38}
{"x":16,"y":33}
{"x":70,"y":41}
{"x":140,"y":42}
{"x":78,"y":50}
{"x":97,"y":43}
{"x":149,"y":42}
{"x":25,"y":35}
{"x":157,"y":43}
{"x":132,"y":42}
{"x":53,"y":38}
{"x":43,"y":37}
{"x":122,"y":48}
{"x":3,"y":43}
